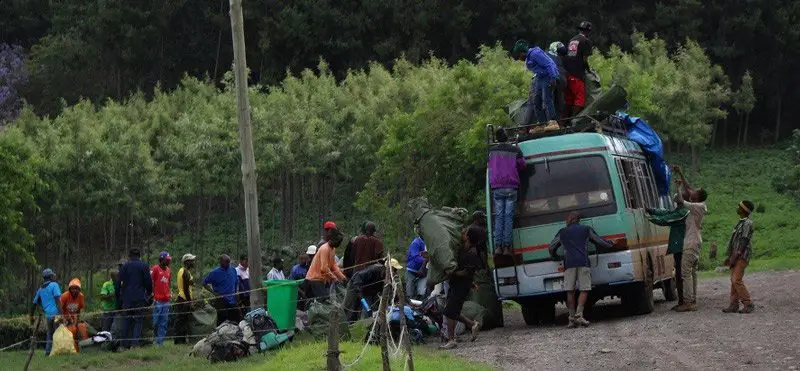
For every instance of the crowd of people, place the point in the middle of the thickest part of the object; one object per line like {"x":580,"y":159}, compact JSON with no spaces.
{"x":558,"y":89}
{"x":136,"y":291}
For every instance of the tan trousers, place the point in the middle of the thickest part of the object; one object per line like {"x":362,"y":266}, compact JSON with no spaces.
{"x":738,"y":290}
{"x":689,"y":264}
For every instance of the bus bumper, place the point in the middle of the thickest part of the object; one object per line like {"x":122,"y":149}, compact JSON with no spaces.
{"x":544,"y":278}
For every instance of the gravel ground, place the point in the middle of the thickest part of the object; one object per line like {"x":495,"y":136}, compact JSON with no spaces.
{"x":664,"y":340}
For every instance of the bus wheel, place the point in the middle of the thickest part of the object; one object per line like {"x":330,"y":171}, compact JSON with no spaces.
{"x":529,"y":312}
{"x":536,"y":312}
{"x":639,"y":297}
{"x":670,"y":289}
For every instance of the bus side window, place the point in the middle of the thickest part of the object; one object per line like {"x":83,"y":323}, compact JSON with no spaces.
{"x":646,"y":184}
{"x":634,"y":197}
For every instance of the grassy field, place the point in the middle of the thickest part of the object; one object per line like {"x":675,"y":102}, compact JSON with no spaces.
{"x":302,"y":356}
{"x":733,"y":175}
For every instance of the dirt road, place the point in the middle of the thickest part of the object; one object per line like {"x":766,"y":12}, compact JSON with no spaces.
{"x":664,"y":340}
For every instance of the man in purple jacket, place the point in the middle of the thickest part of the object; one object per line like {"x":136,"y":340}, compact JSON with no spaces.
{"x":505,"y":163}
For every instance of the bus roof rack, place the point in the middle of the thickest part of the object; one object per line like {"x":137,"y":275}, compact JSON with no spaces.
{"x":602,"y":123}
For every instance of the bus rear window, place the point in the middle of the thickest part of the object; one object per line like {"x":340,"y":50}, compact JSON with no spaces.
{"x":552,"y":189}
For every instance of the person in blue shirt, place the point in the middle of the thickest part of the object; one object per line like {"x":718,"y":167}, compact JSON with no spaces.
{"x":135,"y":286}
{"x":47,"y":297}
{"x":546,"y":77}
{"x":300,"y":269}
{"x":575,"y":239}
{"x":223,"y":282}
{"x":416,"y":274}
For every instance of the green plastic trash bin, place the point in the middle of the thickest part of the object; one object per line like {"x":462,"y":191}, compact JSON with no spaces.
{"x":282,"y":302}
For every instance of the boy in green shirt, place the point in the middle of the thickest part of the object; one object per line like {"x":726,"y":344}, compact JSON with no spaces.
{"x":108,"y":300}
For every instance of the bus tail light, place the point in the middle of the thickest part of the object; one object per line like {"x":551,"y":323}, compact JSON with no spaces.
{"x":621,"y":244}
{"x":509,"y":281}
{"x":614,"y":265}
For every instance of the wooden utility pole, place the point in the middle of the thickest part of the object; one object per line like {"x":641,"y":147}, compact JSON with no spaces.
{"x":383,"y":326}
{"x":248,"y":159}
{"x":404,"y":324}
{"x":333,"y":342}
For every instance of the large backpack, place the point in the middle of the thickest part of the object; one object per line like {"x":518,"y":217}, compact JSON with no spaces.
{"x":260,"y":322}
{"x":225,"y":332}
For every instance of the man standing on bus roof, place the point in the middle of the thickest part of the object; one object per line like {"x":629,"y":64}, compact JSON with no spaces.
{"x":577,"y":64}
{"x":696,"y":204}
{"x":505,"y":163}
{"x":578,"y":273}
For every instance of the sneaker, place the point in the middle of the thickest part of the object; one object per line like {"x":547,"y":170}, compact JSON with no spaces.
{"x":552,"y":125}
{"x":580,"y":321}
{"x":449,"y":345}
{"x":572,"y":323}
{"x":748,"y":309}
{"x":676,"y":306}
{"x":509,"y":250}
{"x":475,"y":329}
{"x":687,"y":307}
{"x":733,"y":308}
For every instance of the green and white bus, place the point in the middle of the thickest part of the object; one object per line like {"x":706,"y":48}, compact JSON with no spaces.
{"x":607,"y":179}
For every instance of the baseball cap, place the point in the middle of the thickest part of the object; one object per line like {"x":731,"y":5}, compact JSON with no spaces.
{"x":188,"y":257}
{"x":164,"y":255}
{"x":311,"y":250}
{"x":329,"y":225}
{"x":395,"y":264}
{"x":48,"y":272}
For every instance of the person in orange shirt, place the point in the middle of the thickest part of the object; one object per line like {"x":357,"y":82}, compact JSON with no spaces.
{"x":323,"y":270}
{"x":72,"y":303}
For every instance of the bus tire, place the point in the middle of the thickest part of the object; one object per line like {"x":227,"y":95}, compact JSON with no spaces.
{"x":536,"y":312}
{"x":529,"y":312}
{"x":670,"y":289}
{"x":639,"y":297}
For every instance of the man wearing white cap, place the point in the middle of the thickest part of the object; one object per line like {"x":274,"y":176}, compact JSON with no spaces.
{"x":183,"y":305}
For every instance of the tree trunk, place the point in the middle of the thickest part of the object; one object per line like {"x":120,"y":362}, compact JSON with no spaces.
{"x":778,"y":118}
{"x":725,"y":133}
{"x":746,"y":127}
{"x":739,"y":128}
{"x":714,"y":133}
{"x":249,"y":182}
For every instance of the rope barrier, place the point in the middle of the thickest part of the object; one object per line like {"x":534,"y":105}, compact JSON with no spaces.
{"x":174,"y":303}
{"x":14,"y":345}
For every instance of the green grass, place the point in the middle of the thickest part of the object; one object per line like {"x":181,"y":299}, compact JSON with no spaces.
{"x":736,"y":174}
{"x":295,"y":357}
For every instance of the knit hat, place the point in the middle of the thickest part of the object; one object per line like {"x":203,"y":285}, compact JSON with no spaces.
{"x":521,"y":46}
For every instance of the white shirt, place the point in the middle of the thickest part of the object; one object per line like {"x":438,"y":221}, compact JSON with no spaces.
{"x":242,"y":272}
{"x":275,"y":274}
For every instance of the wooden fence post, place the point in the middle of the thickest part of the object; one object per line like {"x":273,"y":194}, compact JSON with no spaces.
{"x":404,"y":324}
{"x":333,"y":342}
{"x":33,"y":342}
{"x":383,"y":326}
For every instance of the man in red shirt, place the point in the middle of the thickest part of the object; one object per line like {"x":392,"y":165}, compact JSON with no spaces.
{"x":162,"y":279}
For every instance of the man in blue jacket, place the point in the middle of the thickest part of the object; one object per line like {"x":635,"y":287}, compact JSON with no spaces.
{"x":578,"y":274}
{"x":544,"y":82}
{"x":47,"y":296}
{"x":136,"y":290}
{"x":416,"y":276}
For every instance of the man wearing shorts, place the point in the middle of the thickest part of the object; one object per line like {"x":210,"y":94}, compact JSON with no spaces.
{"x":577,"y":63}
{"x":577,"y":275}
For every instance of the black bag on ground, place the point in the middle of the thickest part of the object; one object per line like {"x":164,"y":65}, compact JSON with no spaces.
{"x":228,"y":351}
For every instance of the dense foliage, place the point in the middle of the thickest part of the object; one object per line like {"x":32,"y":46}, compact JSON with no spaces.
{"x":98,"y":49}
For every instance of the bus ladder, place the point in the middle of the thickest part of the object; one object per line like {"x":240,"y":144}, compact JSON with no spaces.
{"x":499,"y":280}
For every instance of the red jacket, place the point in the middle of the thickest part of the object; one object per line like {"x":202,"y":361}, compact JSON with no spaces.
{"x":161,"y":283}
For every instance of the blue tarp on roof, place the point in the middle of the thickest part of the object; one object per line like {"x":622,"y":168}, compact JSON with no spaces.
{"x":640,"y":132}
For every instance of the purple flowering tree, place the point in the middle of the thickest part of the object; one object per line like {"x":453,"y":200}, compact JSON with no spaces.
{"x":13,"y":75}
